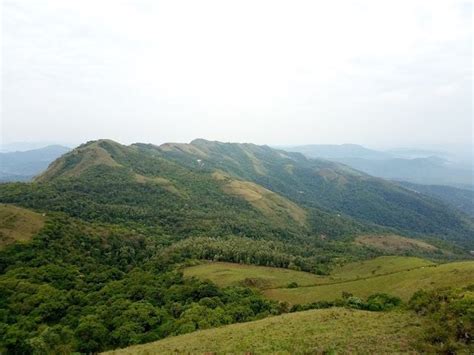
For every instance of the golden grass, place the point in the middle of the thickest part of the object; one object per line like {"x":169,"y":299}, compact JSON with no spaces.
{"x":394,"y":243}
{"x":270,"y":204}
{"x":90,"y":155}
{"x":164,"y":183}
{"x":317,"y":331}
{"x":18,"y":224}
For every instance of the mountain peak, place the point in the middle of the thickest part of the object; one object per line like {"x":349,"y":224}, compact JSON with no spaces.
{"x":92,"y":153}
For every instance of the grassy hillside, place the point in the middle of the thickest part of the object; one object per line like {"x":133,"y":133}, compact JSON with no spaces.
{"x":379,"y":266}
{"x":399,"y":276}
{"x":395,"y":244}
{"x":226,"y":274}
{"x":18,"y":224}
{"x":218,"y":188}
{"x":402,"y":284}
{"x":319,"y":184}
{"x":318,"y":331}
{"x":462,"y":199}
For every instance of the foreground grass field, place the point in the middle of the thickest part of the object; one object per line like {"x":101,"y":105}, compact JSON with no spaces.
{"x":317,"y":331}
{"x":18,"y":224}
{"x":402,"y":284}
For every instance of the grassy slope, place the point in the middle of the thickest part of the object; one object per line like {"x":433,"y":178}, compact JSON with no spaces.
{"x":335,"y":187}
{"x":18,"y":224}
{"x":402,"y":284}
{"x":226,"y":274}
{"x":378,"y":266}
{"x":394,"y":243}
{"x":316,"y":331}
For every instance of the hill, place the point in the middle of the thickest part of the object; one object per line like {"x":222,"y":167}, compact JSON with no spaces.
{"x":462,"y":199}
{"x":265,"y":278}
{"x":326,"y":186}
{"x":415,"y":166}
{"x":334,"y":151}
{"x":396,"y":275}
{"x":23,"y":166}
{"x":122,"y":221}
{"x":402,"y":284}
{"x":241,"y":189}
{"x":317,"y":331}
{"x":18,"y":224}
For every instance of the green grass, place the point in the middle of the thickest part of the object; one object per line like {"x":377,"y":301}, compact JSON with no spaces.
{"x":394,"y":243}
{"x":378,"y":266}
{"x":227,"y":274}
{"x":317,"y":331}
{"x":18,"y":224}
{"x":402,"y":284}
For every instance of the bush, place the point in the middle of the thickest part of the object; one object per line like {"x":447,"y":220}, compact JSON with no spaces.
{"x":382,"y":302}
{"x":451,"y":313}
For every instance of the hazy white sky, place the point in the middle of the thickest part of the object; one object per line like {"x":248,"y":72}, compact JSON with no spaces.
{"x":379,"y":73}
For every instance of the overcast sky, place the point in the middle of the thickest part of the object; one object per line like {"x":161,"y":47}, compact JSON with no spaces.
{"x":379,"y":73}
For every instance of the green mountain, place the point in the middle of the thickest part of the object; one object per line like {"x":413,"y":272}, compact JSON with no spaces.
{"x":323,"y":185}
{"x":214,"y":189}
{"x":93,"y":253}
{"x":461,"y":199}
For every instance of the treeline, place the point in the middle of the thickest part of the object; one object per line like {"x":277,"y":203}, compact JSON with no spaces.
{"x":316,"y":257}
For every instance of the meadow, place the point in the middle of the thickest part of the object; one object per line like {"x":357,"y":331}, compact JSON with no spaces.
{"x":357,"y":332}
{"x":396,"y":275}
{"x":402,"y":284}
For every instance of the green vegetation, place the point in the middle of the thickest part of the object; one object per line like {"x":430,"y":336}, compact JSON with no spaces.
{"x":451,"y":315}
{"x":316,"y":331}
{"x":226,"y":274}
{"x":103,"y":270}
{"x":231,"y":274}
{"x":319,"y":185}
{"x":394,"y":244}
{"x":87,"y":288}
{"x":18,"y":224}
{"x":379,"y":266}
{"x":402,"y":284}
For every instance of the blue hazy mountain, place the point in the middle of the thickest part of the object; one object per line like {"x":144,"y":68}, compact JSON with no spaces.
{"x":24,"y":165}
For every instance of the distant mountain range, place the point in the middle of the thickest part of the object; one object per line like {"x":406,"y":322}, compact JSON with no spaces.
{"x":416,"y":166}
{"x":24,"y":165}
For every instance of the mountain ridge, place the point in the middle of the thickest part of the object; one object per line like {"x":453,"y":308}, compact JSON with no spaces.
{"x":327,"y":190}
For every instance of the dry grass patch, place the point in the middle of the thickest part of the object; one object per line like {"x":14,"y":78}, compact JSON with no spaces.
{"x":394,"y":243}
{"x":164,"y":183}
{"x":272,"y":205}
{"x":90,"y":155}
{"x":18,"y":224}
